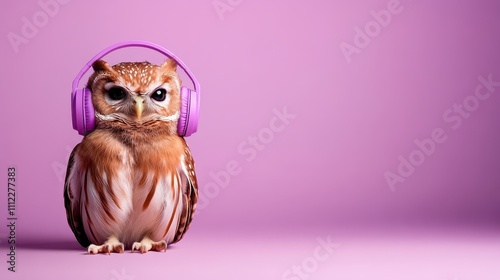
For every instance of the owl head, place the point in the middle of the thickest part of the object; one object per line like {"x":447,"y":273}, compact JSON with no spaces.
{"x":136,"y":94}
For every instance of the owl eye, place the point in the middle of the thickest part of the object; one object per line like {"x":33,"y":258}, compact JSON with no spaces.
{"x":159,"y":94}
{"x":116,"y":93}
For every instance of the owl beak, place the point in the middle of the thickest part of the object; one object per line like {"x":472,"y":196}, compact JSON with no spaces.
{"x":139,"y":106}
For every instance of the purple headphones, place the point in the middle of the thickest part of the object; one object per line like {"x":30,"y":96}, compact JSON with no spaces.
{"x":82,"y":110}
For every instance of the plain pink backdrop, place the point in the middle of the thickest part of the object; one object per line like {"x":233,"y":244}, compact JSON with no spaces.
{"x":326,"y":168}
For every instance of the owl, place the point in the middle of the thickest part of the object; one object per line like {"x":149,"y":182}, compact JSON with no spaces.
{"x":131,"y":184}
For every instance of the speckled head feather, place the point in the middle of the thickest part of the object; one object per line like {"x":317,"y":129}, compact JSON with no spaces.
{"x":135,"y":79}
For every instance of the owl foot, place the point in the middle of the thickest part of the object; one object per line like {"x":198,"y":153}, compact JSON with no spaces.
{"x":147,"y":245}
{"x":110,"y":246}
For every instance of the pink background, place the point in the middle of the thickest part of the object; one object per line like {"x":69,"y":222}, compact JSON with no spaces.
{"x":321,"y":175}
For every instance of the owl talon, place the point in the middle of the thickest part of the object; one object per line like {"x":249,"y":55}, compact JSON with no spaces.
{"x":110,"y":246}
{"x":107,"y":249}
{"x":120,"y":248}
{"x":92,"y":249}
{"x":147,"y":245}
{"x":136,"y":246}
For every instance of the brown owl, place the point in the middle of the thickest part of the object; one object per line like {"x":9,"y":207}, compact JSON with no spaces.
{"x":130,"y":183}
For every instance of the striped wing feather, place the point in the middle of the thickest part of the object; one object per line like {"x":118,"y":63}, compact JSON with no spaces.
{"x":72,"y":203}
{"x":189,"y":195}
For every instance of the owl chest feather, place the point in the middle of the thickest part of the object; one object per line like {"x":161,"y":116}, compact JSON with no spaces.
{"x":132,"y":186}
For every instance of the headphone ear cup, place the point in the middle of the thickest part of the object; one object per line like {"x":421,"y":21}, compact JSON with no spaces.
{"x":74,"y":120}
{"x":189,"y":113}
{"x":89,"y":111}
{"x":82,"y":110}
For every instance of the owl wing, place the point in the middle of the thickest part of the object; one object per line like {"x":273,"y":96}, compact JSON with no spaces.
{"x":72,"y":190}
{"x":189,"y":194}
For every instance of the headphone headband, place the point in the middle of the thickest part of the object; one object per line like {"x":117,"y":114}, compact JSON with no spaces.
{"x":127,"y":44}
